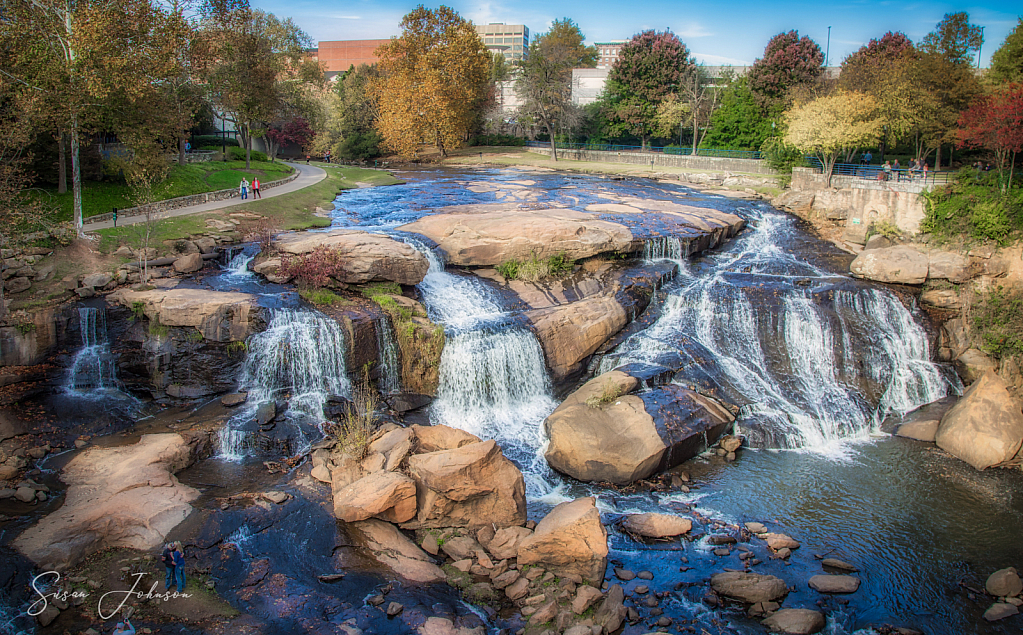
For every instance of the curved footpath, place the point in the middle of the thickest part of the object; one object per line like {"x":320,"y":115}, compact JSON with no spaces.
{"x":307,"y":175}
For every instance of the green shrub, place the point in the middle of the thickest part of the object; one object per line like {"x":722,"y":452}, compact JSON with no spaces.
{"x":360,"y":146}
{"x":322,"y":297}
{"x":884,"y":228}
{"x":782,"y":157}
{"x":998,"y":318}
{"x":973,"y":207}
{"x":536,"y":269}
{"x":238,"y":154}
{"x":509,"y":269}
{"x":212,"y":141}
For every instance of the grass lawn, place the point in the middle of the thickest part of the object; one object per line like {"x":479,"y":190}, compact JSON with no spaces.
{"x":99,"y":197}
{"x":295,"y":210}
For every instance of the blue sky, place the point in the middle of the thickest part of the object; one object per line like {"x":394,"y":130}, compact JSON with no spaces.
{"x":716,"y":32}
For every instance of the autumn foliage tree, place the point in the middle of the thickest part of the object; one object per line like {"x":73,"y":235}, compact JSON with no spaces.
{"x":1007,"y":61}
{"x":789,"y":62}
{"x":995,"y":122}
{"x":828,"y":126}
{"x":435,"y":76}
{"x":651,"y":68}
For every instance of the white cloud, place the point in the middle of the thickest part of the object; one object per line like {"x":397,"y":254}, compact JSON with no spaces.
{"x":719,"y":60}
{"x":691,"y":31}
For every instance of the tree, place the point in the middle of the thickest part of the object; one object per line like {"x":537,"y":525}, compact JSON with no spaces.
{"x":435,"y":77}
{"x":995,"y":122}
{"x":1007,"y":62}
{"x":545,"y":79}
{"x":738,"y":123}
{"x":947,"y":89}
{"x":829,"y":125}
{"x":789,"y":62}
{"x":650,"y":68}
{"x":297,"y":131}
{"x":954,"y":39}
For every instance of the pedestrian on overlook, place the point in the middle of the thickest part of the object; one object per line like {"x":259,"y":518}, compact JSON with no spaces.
{"x":895,"y":170}
{"x":179,"y":566}
{"x":168,"y":561}
{"x":255,"y":188}
{"x":243,"y":188}
{"x":887,"y":170}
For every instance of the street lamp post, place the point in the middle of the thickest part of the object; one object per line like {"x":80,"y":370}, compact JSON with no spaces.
{"x":827,"y":54}
{"x":981,"y":46}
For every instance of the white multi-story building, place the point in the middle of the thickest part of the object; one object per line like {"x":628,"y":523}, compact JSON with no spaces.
{"x":510,"y":39}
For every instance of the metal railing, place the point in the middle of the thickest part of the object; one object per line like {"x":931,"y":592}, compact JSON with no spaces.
{"x":717,"y":153}
{"x":902,"y":175}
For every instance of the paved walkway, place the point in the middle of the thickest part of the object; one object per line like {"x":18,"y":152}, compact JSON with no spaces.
{"x":307,"y":175}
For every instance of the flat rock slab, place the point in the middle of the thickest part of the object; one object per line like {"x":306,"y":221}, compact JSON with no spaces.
{"x":219,"y":315}
{"x":368,"y":257}
{"x":896,"y":265}
{"x":834,"y":583}
{"x":749,"y":587}
{"x":117,"y":497}
{"x":393,"y":549}
{"x":651,"y":525}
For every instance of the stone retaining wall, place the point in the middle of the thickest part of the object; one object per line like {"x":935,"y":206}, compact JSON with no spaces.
{"x":712,"y":164}
{"x":186,"y":201}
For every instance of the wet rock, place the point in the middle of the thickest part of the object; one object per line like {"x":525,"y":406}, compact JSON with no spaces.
{"x":762,"y":608}
{"x":624,"y":574}
{"x":393,"y":549}
{"x":834,"y":583}
{"x":117,"y":497}
{"x":585,"y":597}
{"x":219,"y":316}
{"x":642,"y":589}
{"x":730,"y":443}
{"x":795,"y":621}
{"x":266,"y":413}
{"x":1000,"y":611}
{"x":921,"y":430}
{"x":570,"y":540}
{"x":188,"y":264}
{"x":756,"y":528}
{"x":275,"y":497}
{"x":652,"y":525}
{"x":367,"y":256}
{"x":780,"y":541}
{"x":595,"y":436}
{"x":664,"y":621}
{"x":895,"y":265}
{"x":720,"y":539}
{"x":441,"y":626}
{"x":394,"y":609}
{"x":330,"y":578}
{"x":7,"y":492}
{"x":645,"y":575}
{"x":506,"y":541}
{"x":234,"y":399}
{"x":390,"y":496}
{"x":985,"y":427}
{"x":48,"y":615}
{"x":835,"y":563}
{"x":1004,"y":583}
{"x":722,"y":551}
{"x":25,"y":494}
{"x":749,"y":587}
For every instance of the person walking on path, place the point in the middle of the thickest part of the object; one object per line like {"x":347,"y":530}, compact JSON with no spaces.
{"x":179,"y":566}
{"x":168,"y":562}
{"x":243,"y":188}
{"x":255,"y":188}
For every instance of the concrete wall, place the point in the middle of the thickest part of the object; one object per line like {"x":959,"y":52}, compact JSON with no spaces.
{"x":862,"y":202}
{"x":712,"y":164}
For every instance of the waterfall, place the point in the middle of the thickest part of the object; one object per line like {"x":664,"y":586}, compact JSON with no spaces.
{"x":390,"y":366}
{"x":301,"y":356}
{"x":810,"y":362}
{"x":666,"y":248}
{"x":238,"y":267}
{"x":93,"y":371}
{"x":231,"y":443}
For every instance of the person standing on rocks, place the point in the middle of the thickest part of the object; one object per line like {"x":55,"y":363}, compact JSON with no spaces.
{"x":179,"y":566}
{"x":255,"y":188}
{"x":243,"y":188}
{"x":124,"y":628}
{"x":168,"y":562}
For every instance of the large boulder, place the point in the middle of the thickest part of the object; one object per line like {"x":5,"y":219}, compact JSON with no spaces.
{"x":386,"y":495}
{"x":570,"y":540}
{"x":985,"y":427}
{"x":749,"y":587}
{"x":468,"y":486}
{"x":367,"y":256}
{"x":946,"y":265}
{"x":570,"y":333}
{"x":393,"y":549}
{"x":188,"y":264}
{"x":796,"y":622}
{"x":897,"y":265}
{"x":972,"y":364}
{"x":652,"y":525}
{"x":117,"y":497}
{"x":598,"y":436}
{"x":433,"y":438}
{"x":220,"y":316}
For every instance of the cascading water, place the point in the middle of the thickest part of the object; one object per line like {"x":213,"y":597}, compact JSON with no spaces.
{"x":812,"y":359}
{"x":493,"y":379}
{"x":388,"y":350}
{"x":93,"y":372}
{"x":238,"y":267}
{"x":300,"y":357}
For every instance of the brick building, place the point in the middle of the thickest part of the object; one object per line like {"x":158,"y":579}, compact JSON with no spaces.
{"x":340,"y":55}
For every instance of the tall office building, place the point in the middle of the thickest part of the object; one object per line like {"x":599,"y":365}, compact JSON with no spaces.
{"x":607,"y":52}
{"x":510,"y":39}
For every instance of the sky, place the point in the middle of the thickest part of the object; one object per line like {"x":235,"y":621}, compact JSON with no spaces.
{"x":732,"y":33}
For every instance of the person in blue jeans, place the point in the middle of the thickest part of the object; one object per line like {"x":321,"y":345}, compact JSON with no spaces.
{"x":168,"y":562}
{"x":179,"y":566}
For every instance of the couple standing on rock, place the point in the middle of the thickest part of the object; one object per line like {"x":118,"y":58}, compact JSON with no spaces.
{"x":173,"y":559}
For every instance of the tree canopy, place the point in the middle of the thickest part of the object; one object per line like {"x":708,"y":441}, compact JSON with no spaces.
{"x":650,"y":68}
{"x":436,"y":76}
{"x":738,"y":123}
{"x":1007,"y":61}
{"x":789,"y":62}
{"x":831,"y":125}
{"x":954,"y":39}
{"x":995,"y":122}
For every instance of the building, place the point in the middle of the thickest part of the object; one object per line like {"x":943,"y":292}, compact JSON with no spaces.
{"x":510,"y":39}
{"x":607,"y":52}
{"x":340,"y":55}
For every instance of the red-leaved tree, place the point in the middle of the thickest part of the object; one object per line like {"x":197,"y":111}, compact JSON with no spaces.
{"x":995,"y":122}
{"x":322,"y":267}
{"x":296,"y":131}
{"x":789,"y":61}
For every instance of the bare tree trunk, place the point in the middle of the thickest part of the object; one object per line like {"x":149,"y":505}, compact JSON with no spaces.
{"x":181,"y":151}
{"x":937,"y":159}
{"x":248,"y":147}
{"x":76,"y":178}
{"x":61,"y":164}
{"x":554,"y":144}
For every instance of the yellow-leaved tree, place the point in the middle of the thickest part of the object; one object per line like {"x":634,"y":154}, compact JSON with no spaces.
{"x":435,"y":78}
{"x":828,"y":126}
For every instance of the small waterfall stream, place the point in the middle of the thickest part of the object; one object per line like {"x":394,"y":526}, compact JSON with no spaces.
{"x":390,"y":366}
{"x":93,"y":372}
